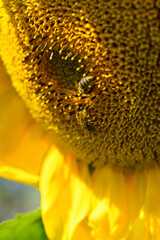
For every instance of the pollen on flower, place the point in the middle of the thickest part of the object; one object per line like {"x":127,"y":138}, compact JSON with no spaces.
{"x":49,"y":46}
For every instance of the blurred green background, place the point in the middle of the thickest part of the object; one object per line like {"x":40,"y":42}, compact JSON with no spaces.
{"x":17,"y":198}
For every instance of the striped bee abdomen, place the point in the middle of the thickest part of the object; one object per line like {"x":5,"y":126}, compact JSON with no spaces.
{"x":83,"y":84}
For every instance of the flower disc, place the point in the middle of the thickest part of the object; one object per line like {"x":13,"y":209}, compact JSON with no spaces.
{"x":89,"y":71}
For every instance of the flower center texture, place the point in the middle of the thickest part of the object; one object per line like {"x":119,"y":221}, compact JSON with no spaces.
{"x":89,"y":71}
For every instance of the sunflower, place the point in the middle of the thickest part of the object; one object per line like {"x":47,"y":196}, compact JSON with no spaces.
{"x":89,"y":73}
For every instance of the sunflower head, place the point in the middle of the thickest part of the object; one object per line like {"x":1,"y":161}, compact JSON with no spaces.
{"x":89,"y":71}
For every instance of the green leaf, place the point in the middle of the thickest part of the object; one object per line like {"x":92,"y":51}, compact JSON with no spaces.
{"x":24,"y":227}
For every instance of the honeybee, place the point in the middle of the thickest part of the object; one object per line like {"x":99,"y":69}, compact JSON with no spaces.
{"x":83,"y":84}
{"x":83,"y":120}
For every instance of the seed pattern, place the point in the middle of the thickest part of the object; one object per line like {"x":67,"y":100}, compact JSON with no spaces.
{"x":57,"y":43}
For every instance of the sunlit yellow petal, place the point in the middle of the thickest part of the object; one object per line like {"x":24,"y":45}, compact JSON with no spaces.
{"x":21,"y":138}
{"x":22,"y":143}
{"x":145,"y":227}
{"x":156,"y":232}
{"x":64,"y":194}
{"x":82,"y":232}
{"x":54,"y":202}
{"x":139,"y":229}
{"x":99,"y":221}
{"x":102,"y":175}
{"x":110,"y":217}
{"x":122,"y":200}
{"x":152,"y":196}
{"x":80,"y":200}
{"x":16,"y":174}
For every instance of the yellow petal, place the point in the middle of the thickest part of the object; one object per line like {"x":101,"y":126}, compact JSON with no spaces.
{"x":80,"y":200}
{"x":82,"y":232}
{"x":16,"y":174}
{"x":139,"y":229}
{"x":135,"y":184}
{"x":65,"y":196}
{"x":145,"y":227}
{"x":55,"y":199}
{"x":22,"y":142}
{"x":105,"y":218}
{"x":152,"y":197}
{"x":156,"y":232}
{"x":101,"y":175}
{"x":118,"y":188}
{"x":117,"y":202}
{"x":99,"y":221}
